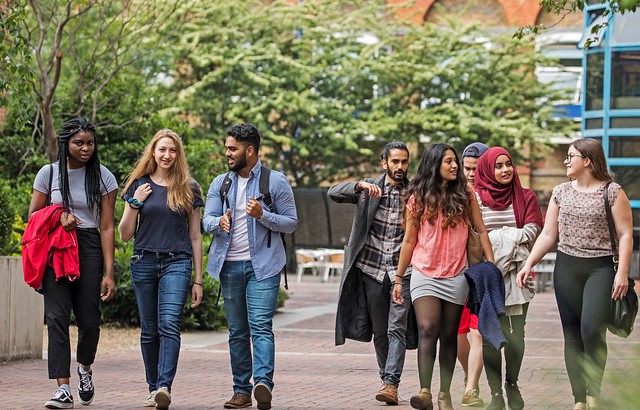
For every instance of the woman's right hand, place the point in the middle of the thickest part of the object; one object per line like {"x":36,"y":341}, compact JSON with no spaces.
{"x":397,"y":294}
{"x":69,"y":221}
{"x":142,"y":192}
{"x":523,"y":276}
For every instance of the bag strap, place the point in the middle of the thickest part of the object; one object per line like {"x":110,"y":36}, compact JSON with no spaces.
{"x":224,"y":189}
{"x":612,"y":229}
{"x":265,"y":175}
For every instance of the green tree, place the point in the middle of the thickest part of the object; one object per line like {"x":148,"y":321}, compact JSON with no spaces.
{"x":327,"y":99}
{"x":85,"y":46}
{"x":457,"y":84}
{"x":287,"y":68}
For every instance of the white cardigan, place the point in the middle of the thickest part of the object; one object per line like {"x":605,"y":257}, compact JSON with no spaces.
{"x":510,"y":252}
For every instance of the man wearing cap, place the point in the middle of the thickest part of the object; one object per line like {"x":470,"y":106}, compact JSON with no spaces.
{"x":470,"y":354}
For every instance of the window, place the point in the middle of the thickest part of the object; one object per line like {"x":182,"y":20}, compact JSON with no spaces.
{"x":597,"y":19}
{"x":626,"y":29}
{"x":625,"y":79}
{"x":594,"y":80}
{"x":624,"y":147}
{"x":629,"y":178}
{"x":593,"y":123}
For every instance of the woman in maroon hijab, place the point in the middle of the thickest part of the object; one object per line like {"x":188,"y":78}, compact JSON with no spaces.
{"x":513,"y":219}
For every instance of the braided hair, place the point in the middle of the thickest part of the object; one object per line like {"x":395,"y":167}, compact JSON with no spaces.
{"x":92,"y":178}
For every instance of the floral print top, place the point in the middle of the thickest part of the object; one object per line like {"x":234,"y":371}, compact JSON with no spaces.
{"x":582,"y":222}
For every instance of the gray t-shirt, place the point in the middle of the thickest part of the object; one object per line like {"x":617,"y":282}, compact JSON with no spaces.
{"x":78,"y":197}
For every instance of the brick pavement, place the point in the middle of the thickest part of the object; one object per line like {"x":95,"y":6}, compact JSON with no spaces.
{"x":312,"y":373}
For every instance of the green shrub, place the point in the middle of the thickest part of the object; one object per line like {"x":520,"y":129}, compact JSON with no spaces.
{"x":7,"y":219}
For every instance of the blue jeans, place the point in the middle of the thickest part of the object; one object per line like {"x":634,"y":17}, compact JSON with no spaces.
{"x":161,"y":283}
{"x":249,"y":305}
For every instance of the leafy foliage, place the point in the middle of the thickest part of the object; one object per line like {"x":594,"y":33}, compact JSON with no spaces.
{"x":563,"y":7}
{"x":15,"y":77}
{"x":7,"y":217}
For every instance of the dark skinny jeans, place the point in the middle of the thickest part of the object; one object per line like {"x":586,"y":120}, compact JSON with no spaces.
{"x":513,"y":329}
{"x":583,"y":292}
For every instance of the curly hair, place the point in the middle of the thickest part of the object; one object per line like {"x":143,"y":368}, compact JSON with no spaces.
{"x":245,"y":133}
{"x":179,"y":182}
{"x":429,"y":198}
{"x":92,"y":179}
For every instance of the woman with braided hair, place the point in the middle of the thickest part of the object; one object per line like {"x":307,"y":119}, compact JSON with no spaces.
{"x":86,"y":190}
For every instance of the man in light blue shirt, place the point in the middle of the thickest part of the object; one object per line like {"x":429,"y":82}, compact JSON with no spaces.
{"x":247,"y":256}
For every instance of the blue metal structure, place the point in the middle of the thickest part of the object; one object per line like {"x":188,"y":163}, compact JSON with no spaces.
{"x":611,"y":91}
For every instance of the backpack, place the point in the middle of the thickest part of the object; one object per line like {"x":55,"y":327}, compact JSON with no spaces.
{"x":265,"y":195}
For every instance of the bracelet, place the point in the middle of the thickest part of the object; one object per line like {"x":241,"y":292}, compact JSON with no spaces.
{"x":137,"y":208}
{"x":134,"y":201}
{"x":396,"y":283}
{"x":197,"y":283}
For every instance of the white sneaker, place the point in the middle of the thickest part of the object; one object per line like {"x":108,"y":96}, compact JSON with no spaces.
{"x":163,"y":398}
{"x":151,"y":399}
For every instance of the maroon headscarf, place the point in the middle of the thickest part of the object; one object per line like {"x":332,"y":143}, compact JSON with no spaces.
{"x":498,"y":196}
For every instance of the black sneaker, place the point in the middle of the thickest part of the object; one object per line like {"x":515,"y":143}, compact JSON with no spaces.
{"x":61,"y":399}
{"x":514,"y":398}
{"x":497,"y":402}
{"x":85,"y":386}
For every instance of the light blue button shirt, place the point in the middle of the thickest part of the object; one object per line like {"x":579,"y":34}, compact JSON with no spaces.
{"x":266,"y":261}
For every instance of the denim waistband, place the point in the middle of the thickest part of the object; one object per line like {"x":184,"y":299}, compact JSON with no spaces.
{"x":143,"y":253}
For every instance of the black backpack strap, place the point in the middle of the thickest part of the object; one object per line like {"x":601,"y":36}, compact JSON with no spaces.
{"x":224,"y":190}
{"x":50,"y":184}
{"x":265,"y":175}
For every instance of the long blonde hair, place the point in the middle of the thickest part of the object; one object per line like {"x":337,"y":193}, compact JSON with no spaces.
{"x":179,"y":188}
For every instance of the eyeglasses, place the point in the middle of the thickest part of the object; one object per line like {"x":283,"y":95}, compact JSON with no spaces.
{"x":571,"y":156}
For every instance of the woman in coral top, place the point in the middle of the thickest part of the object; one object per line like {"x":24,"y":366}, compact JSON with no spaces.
{"x":438,"y":209}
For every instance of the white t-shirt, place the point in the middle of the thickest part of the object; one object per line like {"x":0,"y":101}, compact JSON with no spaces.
{"x":239,"y":247}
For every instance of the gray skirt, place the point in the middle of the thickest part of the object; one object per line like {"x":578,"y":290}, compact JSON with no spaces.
{"x":454,"y":290}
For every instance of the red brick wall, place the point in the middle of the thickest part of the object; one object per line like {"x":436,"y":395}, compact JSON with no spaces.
{"x":516,"y":12}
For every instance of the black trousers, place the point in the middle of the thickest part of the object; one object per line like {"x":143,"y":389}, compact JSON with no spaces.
{"x":583,"y":292}
{"x":81,"y":296}
{"x":513,"y":329}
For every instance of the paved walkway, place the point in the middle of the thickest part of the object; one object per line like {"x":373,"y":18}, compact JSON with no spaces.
{"x":312,"y":373}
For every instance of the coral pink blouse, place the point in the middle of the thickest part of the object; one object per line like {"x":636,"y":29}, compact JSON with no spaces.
{"x":439,"y":253}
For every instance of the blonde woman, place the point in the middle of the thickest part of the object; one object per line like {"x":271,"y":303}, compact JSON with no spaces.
{"x":163,"y":213}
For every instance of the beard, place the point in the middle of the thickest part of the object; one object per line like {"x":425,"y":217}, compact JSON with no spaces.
{"x":239,"y":164}
{"x":397,"y":176}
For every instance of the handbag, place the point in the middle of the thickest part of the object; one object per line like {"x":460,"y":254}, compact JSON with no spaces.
{"x":624,"y":310}
{"x":475,"y":253}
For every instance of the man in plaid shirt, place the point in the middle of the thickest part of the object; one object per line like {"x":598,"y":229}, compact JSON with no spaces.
{"x":365,"y":308}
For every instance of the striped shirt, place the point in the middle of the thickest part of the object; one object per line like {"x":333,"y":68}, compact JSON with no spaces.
{"x":497,"y":219}
{"x":381,"y":250}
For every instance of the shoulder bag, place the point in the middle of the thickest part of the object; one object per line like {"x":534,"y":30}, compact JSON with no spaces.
{"x":624,"y":310}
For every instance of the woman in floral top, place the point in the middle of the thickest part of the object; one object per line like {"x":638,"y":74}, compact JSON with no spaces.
{"x":584,"y":274}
